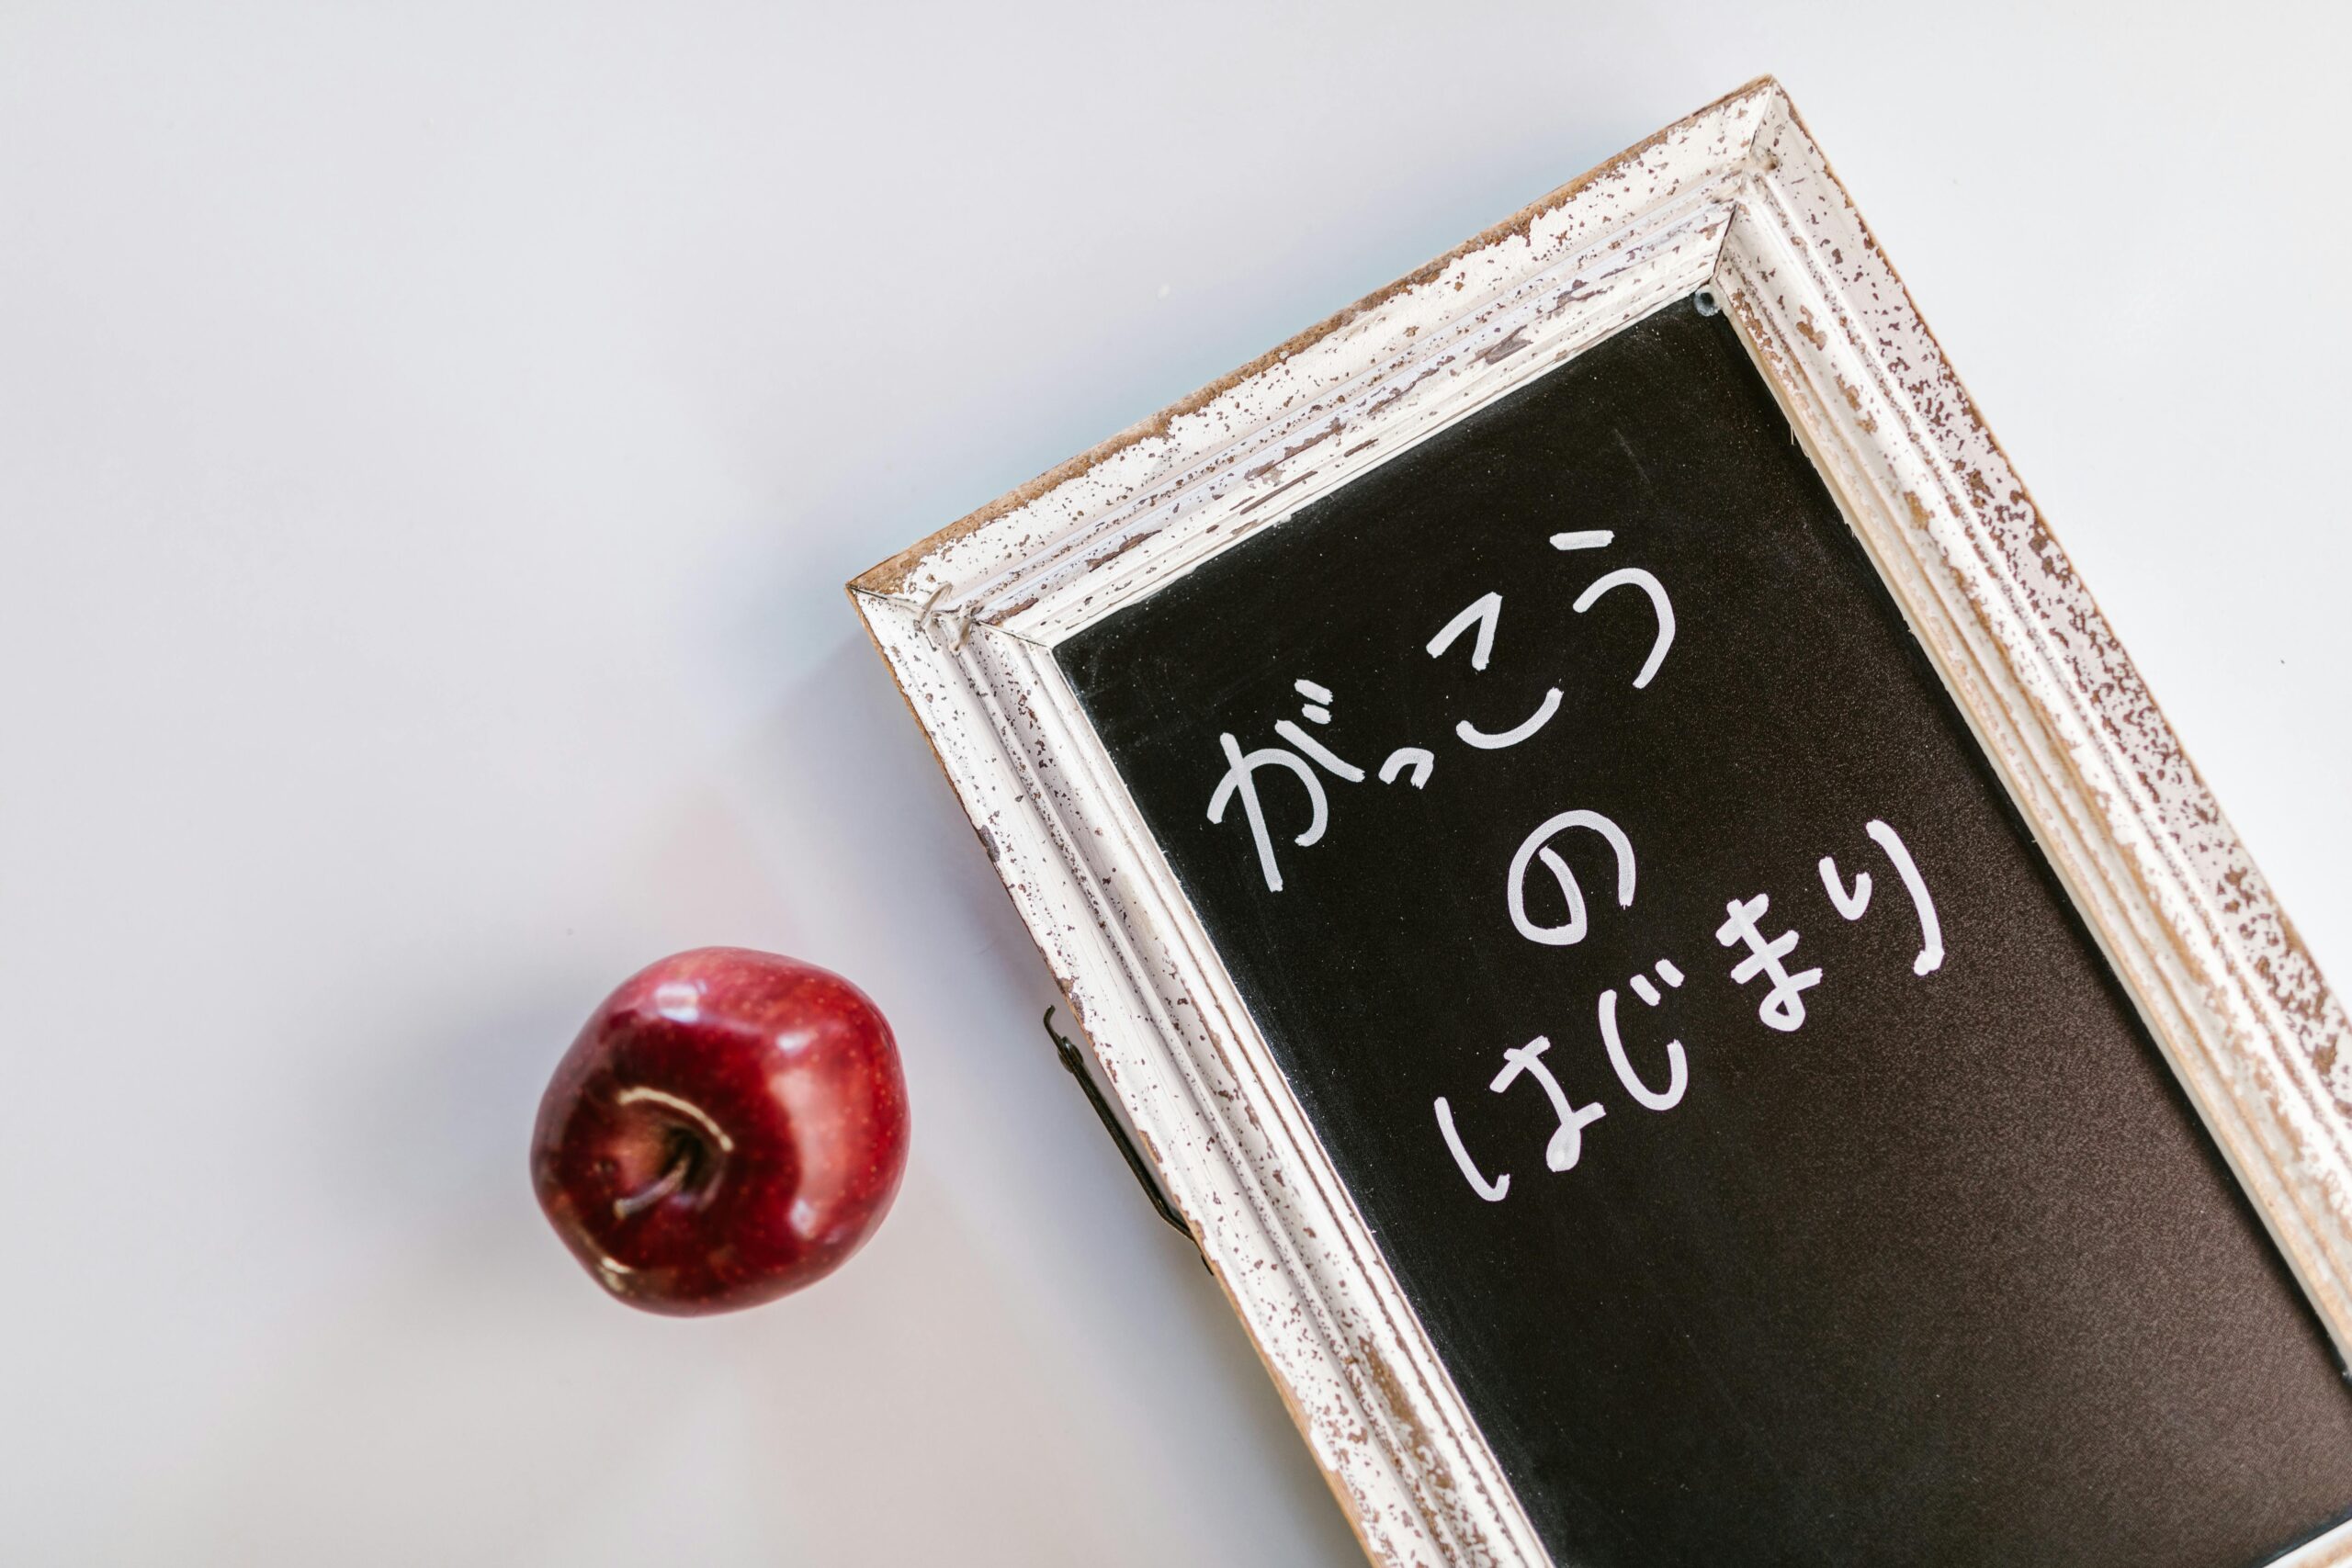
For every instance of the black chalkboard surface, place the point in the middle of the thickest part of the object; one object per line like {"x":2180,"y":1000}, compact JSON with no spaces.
{"x":1907,"y":1249}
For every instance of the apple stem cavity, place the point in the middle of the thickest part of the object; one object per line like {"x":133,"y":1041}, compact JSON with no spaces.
{"x":685,"y":1158}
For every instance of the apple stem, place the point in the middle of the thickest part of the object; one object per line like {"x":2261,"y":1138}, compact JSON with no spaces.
{"x":670,"y":1180}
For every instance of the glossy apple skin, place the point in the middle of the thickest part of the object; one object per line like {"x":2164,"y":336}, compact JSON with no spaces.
{"x":730,"y":1126}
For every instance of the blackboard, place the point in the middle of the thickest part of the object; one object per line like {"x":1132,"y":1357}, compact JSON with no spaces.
{"x":1925,"y":1259}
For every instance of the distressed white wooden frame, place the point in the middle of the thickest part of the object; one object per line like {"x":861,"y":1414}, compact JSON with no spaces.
{"x":1738,"y":199}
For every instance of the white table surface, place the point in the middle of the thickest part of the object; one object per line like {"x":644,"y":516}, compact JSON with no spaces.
{"x":433,"y":437}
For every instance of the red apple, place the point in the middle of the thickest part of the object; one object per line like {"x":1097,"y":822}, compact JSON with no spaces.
{"x":730,"y":1126}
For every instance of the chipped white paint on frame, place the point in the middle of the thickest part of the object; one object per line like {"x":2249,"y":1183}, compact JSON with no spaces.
{"x":1737,"y":198}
